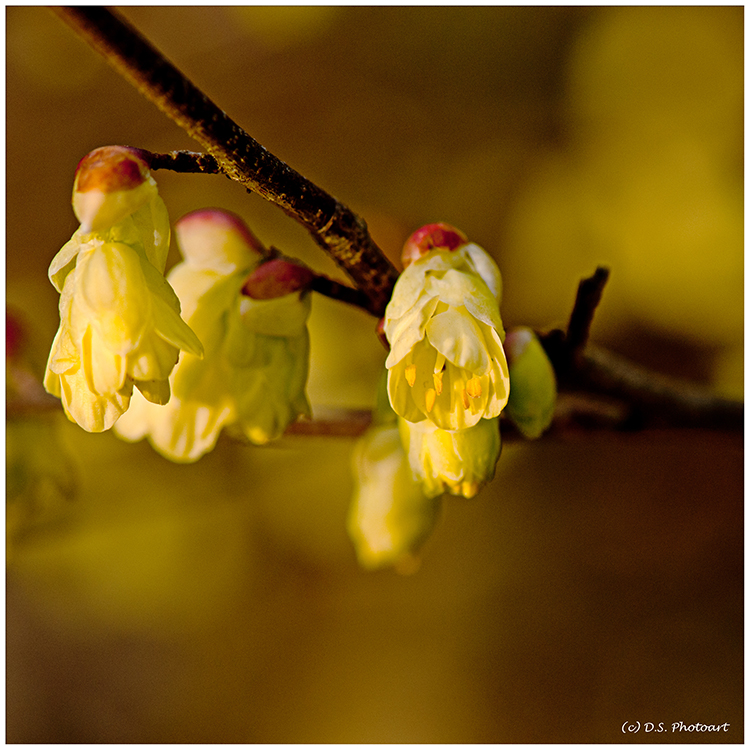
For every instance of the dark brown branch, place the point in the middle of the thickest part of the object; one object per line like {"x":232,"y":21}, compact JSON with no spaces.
{"x":566,"y":348}
{"x":182,"y":161}
{"x":587,"y":300}
{"x":654,"y":399}
{"x":337,"y":229}
{"x":637,"y":396}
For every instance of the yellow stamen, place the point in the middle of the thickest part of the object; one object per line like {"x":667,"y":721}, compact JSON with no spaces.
{"x":465,"y":398}
{"x":474,"y":387}
{"x":429,"y":399}
{"x":437,"y":378}
{"x":411,"y":374}
{"x":439,"y":362}
{"x":469,"y":489}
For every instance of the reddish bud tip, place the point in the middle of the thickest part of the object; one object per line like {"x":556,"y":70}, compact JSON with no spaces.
{"x":380,"y":333}
{"x":276,"y":278}
{"x":516,"y":341}
{"x":111,"y":168}
{"x":430,"y":237}
{"x":220,"y":219}
{"x":15,"y":335}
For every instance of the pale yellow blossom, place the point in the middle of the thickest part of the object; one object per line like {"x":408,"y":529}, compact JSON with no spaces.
{"x":120,"y":322}
{"x":456,"y":461}
{"x":390,"y":516}
{"x":253,"y":375}
{"x":446,"y":362}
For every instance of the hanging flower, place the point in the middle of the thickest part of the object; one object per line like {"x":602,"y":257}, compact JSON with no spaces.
{"x":456,"y":461}
{"x":390,"y":516}
{"x":252,"y":320}
{"x":120,"y":322}
{"x":443,"y":324}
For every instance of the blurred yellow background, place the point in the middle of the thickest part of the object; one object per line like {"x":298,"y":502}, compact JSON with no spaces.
{"x":597,"y":580}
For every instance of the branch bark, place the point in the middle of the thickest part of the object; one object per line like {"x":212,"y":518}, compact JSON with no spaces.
{"x":335,"y":228}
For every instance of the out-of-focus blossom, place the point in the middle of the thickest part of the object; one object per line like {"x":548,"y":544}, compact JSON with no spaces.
{"x":252,"y":320}
{"x":390,"y":516}
{"x":443,"y":324}
{"x":120,"y":322}
{"x":456,"y":461}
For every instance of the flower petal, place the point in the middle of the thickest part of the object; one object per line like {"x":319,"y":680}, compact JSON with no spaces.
{"x":113,"y":296}
{"x":64,"y":262}
{"x":405,"y":332}
{"x":458,"y":337}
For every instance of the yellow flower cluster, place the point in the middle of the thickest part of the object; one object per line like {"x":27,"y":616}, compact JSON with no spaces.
{"x":447,"y":383}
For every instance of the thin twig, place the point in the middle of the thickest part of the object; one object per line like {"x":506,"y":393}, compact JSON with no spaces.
{"x":654,"y":399}
{"x":645,"y":398}
{"x":337,"y":229}
{"x":333,"y":289}
{"x":582,"y":316}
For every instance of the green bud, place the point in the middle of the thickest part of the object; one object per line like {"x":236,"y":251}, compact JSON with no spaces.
{"x":533,"y":388}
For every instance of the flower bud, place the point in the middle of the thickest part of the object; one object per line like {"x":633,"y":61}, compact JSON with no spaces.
{"x":111,"y":183}
{"x":443,"y":324}
{"x":16,"y":336}
{"x":446,"y":238}
{"x":217,"y":240}
{"x":459,"y":461}
{"x":390,"y":517}
{"x":431,"y":237}
{"x":533,"y":388}
{"x":276,"y":278}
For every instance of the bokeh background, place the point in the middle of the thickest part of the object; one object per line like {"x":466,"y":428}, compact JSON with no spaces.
{"x":596,"y":581}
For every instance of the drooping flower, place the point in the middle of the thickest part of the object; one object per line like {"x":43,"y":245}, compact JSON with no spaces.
{"x":252,"y":320}
{"x":443,"y":324}
{"x":533,"y":392}
{"x":390,"y":516}
{"x":120,"y":322}
{"x":456,"y":461}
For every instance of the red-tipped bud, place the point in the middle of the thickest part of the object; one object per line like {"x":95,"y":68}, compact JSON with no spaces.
{"x":218,"y":239}
{"x":111,"y":183}
{"x":430,"y":237}
{"x":111,"y":168}
{"x":277,"y":278}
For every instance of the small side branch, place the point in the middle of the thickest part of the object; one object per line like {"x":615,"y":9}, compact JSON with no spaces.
{"x":582,"y":316}
{"x":637,"y":397}
{"x":335,"y":228}
{"x":333,"y":289}
{"x":654,"y":399}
